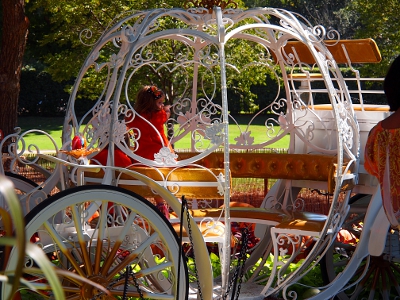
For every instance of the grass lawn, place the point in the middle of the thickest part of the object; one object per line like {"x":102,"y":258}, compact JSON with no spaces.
{"x":53,"y":126}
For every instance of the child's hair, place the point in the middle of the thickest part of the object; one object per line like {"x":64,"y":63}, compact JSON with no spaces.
{"x":146,"y":99}
{"x":391,"y":85}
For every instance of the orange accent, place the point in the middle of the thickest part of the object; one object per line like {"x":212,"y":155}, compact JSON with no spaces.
{"x":356,"y":107}
{"x":178,"y":175}
{"x":344,"y":236}
{"x":252,"y":214}
{"x":382,"y":142}
{"x":77,"y":153}
{"x":95,"y":215}
{"x":305,"y":76}
{"x":315,"y":167}
{"x":358,"y":50}
{"x":206,"y":230}
{"x":305,"y":221}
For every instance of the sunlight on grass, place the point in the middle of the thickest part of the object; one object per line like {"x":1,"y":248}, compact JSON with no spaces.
{"x":43,"y":142}
{"x":258,"y":132}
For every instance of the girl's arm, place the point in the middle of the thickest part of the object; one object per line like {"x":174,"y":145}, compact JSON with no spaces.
{"x":167,"y":109}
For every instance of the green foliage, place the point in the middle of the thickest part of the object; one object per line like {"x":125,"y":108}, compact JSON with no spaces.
{"x":319,"y":12}
{"x":215,"y":264}
{"x":378,"y":19}
{"x":57,"y":39}
{"x":249,"y":74}
{"x":374,"y":19}
{"x":55,"y":47}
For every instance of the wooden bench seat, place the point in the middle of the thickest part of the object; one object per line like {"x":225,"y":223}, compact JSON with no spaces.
{"x":202,"y":183}
{"x":310,"y":167}
{"x":357,"y":50}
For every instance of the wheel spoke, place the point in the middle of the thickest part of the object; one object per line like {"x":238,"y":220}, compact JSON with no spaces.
{"x":77,"y":219}
{"x":61,"y":246}
{"x":132,"y":256}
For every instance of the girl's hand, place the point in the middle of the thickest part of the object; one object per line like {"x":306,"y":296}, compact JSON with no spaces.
{"x":167,"y":109}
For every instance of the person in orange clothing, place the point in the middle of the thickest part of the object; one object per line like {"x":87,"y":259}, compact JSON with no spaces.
{"x":147,"y":127}
{"x":382,"y":150}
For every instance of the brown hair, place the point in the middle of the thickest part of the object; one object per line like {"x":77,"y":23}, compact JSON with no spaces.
{"x":146,"y":99}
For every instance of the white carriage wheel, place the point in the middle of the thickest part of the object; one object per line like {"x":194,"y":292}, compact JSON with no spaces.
{"x":104,"y":231}
{"x":22,"y":184}
{"x":382,"y":273}
{"x":28,"y":192}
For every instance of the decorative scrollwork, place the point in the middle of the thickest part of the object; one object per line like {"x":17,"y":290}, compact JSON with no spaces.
{"x":86,"y":34}
{"x":165,"y":156}
{"x":333,"y":34}
{"x":214,"y":133}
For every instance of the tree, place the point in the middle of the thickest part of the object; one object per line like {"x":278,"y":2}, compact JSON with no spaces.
{"x":67,"y":21}
{"x":378,"y":19}
{"x":328,"y":13}
{"x":13,"y":43}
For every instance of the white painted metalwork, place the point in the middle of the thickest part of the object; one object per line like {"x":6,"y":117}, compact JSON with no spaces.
{"x":202,"y":74}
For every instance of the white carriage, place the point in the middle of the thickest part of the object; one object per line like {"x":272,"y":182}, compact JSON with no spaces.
{"x":100,"y":226}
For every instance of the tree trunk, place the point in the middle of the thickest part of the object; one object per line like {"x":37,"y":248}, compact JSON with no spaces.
{"x":13,"y":43}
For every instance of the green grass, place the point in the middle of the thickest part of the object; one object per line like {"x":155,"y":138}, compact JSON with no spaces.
{"x":53,"y":126}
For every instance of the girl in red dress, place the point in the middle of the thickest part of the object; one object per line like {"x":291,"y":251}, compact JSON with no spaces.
{"x":147,"y":126}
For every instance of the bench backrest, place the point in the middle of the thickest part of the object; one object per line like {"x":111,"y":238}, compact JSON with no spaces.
{"x":343,"y":51}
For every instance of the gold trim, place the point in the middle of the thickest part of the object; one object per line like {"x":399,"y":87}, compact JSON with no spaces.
{"x":210,"y":4}
{"x":77,"y":153}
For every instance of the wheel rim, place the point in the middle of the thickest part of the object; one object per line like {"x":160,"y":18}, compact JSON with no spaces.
{"x":109,"y":236}
{"x":28,"y":192}
{"x":375,"y":278}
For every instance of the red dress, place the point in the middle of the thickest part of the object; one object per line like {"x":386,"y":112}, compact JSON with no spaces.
{"x":120,"y":158}
{"x":150,"y":139}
